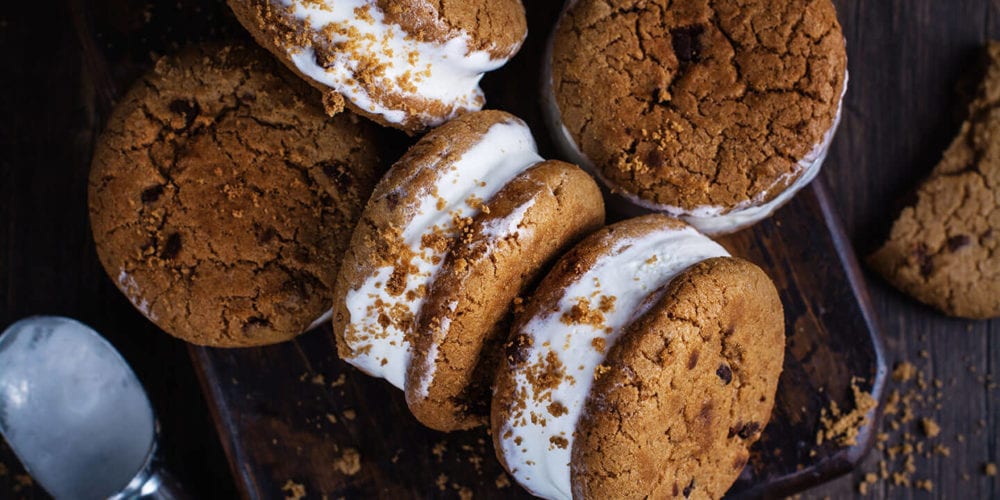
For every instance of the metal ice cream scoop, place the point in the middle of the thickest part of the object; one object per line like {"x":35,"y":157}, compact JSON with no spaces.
{"x":76,"y":415}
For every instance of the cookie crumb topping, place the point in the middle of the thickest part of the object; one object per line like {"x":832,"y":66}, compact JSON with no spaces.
{"x":383,"y":306}
{"x":561,"y":348}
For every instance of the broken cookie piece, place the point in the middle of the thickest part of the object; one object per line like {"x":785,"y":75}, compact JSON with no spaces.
{"x":945,"y":249}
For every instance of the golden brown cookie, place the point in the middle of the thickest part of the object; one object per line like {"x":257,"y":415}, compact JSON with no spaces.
{"x":409,"y":64}
{"x":712,"y":111}
{"x":409,"y":226}
{"x":686,"y":390}
{"x":945,"y":249}
{"x":533,"y":219}
{"x":221,"y":197}
{"x":584,"y":328}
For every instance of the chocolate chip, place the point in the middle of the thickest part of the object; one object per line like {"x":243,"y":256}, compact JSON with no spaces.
{"x":339,"y":175}
{"x":187,"y":109}
{"x":958,"y":242}
{"x":688,"y":489}
{"x":517,"y":348}
{"x":739,"y":462}
{"x":171,"y":247}
{"x":687,"y":43}
{"x":693,"y":360}
{"x":151,"y":194}
{"x":725,"y":373}
{"x":655,"y":159}
{"x":923,"y":260}
{"x":749,"y":430}
{"x":266,"y":235}
{"x":677,"y":489}
{"x":301,"y":255}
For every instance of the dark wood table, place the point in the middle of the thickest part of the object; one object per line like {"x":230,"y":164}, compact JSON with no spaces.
{"x":911,"y":63}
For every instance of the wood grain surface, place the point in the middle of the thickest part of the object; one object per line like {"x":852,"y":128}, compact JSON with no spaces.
{"x":909,"y":60}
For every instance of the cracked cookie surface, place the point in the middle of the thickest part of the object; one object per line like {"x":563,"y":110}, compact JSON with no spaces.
{"x":222,"y":197}
{"x":687,"y":389}
{"x":698,"y":103}
{"x":945,"y":249}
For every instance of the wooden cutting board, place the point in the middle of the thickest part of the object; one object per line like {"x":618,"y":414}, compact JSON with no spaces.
{"x":295,"y":415}
{"x":295,"y":412}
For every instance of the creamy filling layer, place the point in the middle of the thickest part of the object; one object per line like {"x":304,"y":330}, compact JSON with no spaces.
{"x":381,"y":320}
{"x":367,"y":52}
{"x":570,"y":343}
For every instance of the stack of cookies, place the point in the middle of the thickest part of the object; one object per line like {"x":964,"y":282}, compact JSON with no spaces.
{"x":238,"y":199}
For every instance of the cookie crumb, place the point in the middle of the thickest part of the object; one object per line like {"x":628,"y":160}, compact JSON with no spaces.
{"x":843,"y":427}
{"x":925,"y":484}
{"x":350,"y":414}
{"x":318,"y":379}
{"x":990,"y":469}
{"x":293,"y":490}
{"x":503,"y":481}
{"x":442,"y":482}
{"x":930,"y":427}
{"x":349,"y":462}
{"x":331,"y":418}
{"x":904,"y":372}
{"x":438,"y":451}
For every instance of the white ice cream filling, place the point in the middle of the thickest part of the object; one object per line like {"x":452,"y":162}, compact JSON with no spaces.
{"x":359,"y":38}
{"x":375,"y":333}
{"x":537,"y":440}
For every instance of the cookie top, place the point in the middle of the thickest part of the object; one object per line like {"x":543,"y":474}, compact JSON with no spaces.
{"x":686,"y":390}
{"x":558,"y":345}
{"x":408,"y":228}
{"x":699,"y":108}
{"x":409,"y":64}
{"x":945,"y":249}
{"x":221,"y":197}
{"x":466,"y":318}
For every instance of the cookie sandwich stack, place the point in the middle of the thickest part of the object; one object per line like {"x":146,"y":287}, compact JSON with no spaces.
{"x":238,"y":198}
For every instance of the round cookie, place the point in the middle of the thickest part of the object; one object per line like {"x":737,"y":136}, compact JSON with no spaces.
{"x":221,"y":197}
{"x":408,"y":227}
{"x":596,"y":297}
{"x":409,"y":64}
{"x":714,"y":112}
{"x":465,"y":320}
{"x":686,"y":390}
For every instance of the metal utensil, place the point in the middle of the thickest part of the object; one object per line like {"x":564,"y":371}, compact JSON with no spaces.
{"x":76,"y":415}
